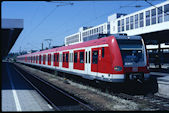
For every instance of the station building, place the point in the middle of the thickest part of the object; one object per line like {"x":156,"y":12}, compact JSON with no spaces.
{"x":151,"y":23}
{"x":150,"y":20}
{"x":85,"y":32}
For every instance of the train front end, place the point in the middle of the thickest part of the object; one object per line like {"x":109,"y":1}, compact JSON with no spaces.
{"x":134,"y":57}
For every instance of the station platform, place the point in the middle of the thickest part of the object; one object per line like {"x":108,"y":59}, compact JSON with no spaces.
{"x":162,"y":82}
{"x":17,"y":94}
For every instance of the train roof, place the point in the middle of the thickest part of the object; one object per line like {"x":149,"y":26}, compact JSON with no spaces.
{"x":79,"y":45}
{"x":95,"y":42}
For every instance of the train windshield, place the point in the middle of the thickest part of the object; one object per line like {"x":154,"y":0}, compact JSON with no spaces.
{"x":132,"y":52}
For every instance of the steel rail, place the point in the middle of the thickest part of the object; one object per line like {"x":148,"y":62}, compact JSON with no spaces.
{"x":57,"y":89}
{"x":53,"y":105}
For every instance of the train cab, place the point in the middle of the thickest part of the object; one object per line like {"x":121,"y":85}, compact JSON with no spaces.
{"x":134,"y":57}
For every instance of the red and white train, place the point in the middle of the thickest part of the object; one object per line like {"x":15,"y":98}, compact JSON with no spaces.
{"x":115,"y":58}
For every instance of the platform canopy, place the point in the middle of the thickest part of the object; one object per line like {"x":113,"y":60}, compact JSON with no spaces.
{"x":11,"y":29}
{"x":156,"y":37}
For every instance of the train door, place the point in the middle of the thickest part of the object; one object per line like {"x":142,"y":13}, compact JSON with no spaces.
{"x":65,"y":60}
{"x":75,"y":57}
{"x":49,"y":59}
{"x":44,"y":59}
{"x":39,"y":59}
{"x":94,"y":61}
{"x":79,"y":59}
{"x":87,"y":61}
{"x":56,"y":59}
{"x":36,"y":59}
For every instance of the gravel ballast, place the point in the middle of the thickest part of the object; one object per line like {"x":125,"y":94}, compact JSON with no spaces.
{"x":100,"y":100}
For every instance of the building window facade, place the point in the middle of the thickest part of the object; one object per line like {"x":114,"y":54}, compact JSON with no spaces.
{"x":127,"y":23}
{"x":147,"y":18}
{"x":131,"y":22}
{"x":136,"y":21}
{"x":122,"y":25}
{"x":118,"y":24}
{"x":160,"y":14}
{"x":141,"y":19}
{"x":153,"y":16}
{"x":166,"y":12}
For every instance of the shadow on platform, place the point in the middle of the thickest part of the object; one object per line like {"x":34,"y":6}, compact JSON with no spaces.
{"x":11,"y":79}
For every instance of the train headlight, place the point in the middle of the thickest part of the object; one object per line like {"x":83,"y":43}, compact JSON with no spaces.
{"x":117,"y":68}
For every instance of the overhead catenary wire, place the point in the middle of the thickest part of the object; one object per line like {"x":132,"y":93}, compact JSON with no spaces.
{"x":103,"y":16}
{"x":89,"y":21}
{"x":32,"y":30}
{"x":52,"y":11}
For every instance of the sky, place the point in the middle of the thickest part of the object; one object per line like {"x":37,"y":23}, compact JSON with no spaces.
{"x":58,"y":19}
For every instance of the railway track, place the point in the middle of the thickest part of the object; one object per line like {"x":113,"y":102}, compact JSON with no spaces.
{"x":153,"y":101}
{"x":59,"y":99}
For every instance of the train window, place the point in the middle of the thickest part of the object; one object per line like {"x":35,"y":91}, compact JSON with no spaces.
{"x":86,"y":56}
{"x":67,"y":56}
{"x":52,"y":57}
{"x":49,"y":57}
{"x":89,"y":56}
{"x":41,"y":58}
{"x":81,"y":57}
{"x":95,"y":57}
{"x":57,"y":57}
{"x":75,"y":57}
{"x":102,"y":52}
{"x":63,"y":57}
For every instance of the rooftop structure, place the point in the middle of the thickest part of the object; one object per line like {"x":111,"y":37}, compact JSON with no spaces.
{"x":11,"y":28}
{"x":151,"y":23}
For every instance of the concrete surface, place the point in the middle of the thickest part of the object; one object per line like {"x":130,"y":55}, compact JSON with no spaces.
{"x":17,"y":94}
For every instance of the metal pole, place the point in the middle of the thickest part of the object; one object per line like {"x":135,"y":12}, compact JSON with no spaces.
{"x":42,"y":45}
{"x":159,"y":54}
